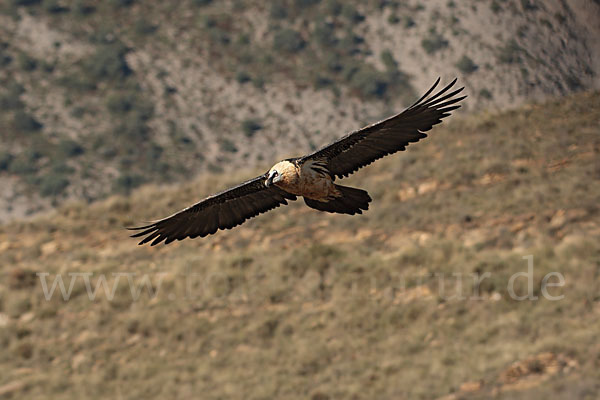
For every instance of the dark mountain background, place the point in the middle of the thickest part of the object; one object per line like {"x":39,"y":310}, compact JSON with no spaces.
{"x":101,"y":97}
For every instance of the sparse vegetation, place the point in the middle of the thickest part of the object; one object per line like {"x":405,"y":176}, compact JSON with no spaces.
{"x":466,"y":65}
{"x":409,"y":22}
{"x":243,"y":77}
{"x":25,"y":122}
{"x":495,"y":6}
{"x":250,"y":126}
{"x":297,"y":297}
{"x":510,"y":53}
{"x":434,"y":42}
{"x":485,"y":93}
{"x":288,"y":40}
{"x":53,"y":184}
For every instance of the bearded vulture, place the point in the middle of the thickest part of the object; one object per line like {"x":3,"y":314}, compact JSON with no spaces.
{"x":311,"y":176}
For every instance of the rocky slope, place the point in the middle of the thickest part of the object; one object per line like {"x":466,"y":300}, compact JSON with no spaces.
{"x":298,"y":304}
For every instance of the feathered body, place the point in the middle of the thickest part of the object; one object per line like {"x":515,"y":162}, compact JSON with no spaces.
{"x":311,"y":176}
{"x":309,"y":179}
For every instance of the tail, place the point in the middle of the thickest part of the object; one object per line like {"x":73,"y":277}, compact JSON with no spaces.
{"x":352,"y":201}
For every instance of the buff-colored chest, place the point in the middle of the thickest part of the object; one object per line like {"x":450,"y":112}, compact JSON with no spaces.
{"x":306,"y":181}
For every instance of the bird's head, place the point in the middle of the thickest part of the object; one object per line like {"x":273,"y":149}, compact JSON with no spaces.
{"x":284,"y":172}
{"x":274,"y":176}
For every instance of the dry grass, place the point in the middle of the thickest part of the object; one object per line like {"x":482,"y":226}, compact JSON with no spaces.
{"x":297,"y":304}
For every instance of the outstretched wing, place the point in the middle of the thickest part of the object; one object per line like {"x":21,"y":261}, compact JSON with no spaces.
{"x":360,"y":148}
{"x":223,"y":210}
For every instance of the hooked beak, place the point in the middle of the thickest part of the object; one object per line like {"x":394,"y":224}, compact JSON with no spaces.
{"x":269,"y":180}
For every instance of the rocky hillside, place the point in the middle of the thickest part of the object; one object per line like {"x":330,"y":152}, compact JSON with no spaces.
{"x":298,"y":304}
{"x":101,"y":97}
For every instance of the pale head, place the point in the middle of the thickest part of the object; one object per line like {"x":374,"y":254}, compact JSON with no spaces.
{"x":281,"y":173}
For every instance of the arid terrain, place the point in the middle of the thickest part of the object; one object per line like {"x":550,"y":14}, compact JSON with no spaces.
{"x":475,"y":273}
{"x":300,"y":304}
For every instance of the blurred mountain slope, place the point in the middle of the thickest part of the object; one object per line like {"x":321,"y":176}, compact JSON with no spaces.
{"x":101,"y":97}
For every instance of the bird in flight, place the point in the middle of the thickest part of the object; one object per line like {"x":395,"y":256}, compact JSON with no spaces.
{"x":311,"y":176}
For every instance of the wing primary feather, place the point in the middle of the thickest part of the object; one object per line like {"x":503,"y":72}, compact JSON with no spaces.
{"x":427,"y":93}
{"x":156,"y":241}
{"x":449,"y":102}
{"x":431,"y":103}
{"x":143,"y":233}
{"x":149,"y":238}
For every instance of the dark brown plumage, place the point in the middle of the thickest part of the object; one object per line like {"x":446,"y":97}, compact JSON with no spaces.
{"x":360,"y":148}
{"x":223,"y":210}
{"x":310,"y":176}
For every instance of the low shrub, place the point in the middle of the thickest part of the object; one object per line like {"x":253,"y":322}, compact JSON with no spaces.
{"x":466,"y":65}
{"x":25,"y":122}
{"x":434,"y":43}
{"x":53,"y":184}
{"x":288,"y":40}
{"x":250,"y":126}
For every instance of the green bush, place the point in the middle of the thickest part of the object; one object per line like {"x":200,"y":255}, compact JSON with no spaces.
{"x":510,"y":53}
{"x":125,"y":102}
{"x":53,"y":184}
{"x":409,"y":22}
{"x":121,"y":3}
{"x":351,"y":14}
{"x":368,"y":82}
{"x":60,"y":167}
{"x":227,"y":146}
{"x":348,"y":44}
{"x":278,"y":10}
{"x":486,"y":94}
{"x":78,"y":81}
{"x":26,"y":122}
{"x":216,"y":26}
{"x":144,"y":27}
{"x":120,"y":103}
{"x":201,"y":3}
{"x":125,"y":183}
{"x":305,"y":3}
{"x":108,"y":62}
{"x":288,"y":40}
{"x":54,"y":7}
{"x":528,"y":5}
{"x":26,"y":63}
{"x":324,"y":34}
{"x":434,"y":43}
{"x":22,"y":165}
{"x":25,"y":2}
{"x":243,"y":77}
{"x":69,"y":148}
{"x":250,"y":126}
{"x":321,"y":82}
{"x":333,"y":7}
{"x":10,"y":99}
{"x":133,"y":128}
{"x":466,"y":65}
{"x":5,"y":160}
{"x":5,"y":59}
{"x":393,"y":19}
{"x":495,"y":7}
{"x":333,"y":63}
{"x":83,"y":7}
{"x":388,"y":60}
